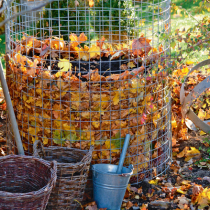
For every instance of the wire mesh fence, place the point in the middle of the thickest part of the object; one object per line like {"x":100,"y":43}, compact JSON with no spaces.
{"x":87,"y":73}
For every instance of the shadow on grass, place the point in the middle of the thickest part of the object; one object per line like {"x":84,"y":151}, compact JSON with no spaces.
{"x":191,"y":5}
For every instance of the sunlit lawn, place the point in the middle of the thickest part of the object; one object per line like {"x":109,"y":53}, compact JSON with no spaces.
{"x":180,"y":21}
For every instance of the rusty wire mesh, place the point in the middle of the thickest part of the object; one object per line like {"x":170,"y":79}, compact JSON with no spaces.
{"x":89,"y":72}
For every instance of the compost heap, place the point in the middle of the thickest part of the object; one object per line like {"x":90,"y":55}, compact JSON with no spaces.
{"x":60,"y":104}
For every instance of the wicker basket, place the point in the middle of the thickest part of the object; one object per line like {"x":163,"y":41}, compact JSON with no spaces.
{"x":73,"y":167}
{"x":25,"y":182}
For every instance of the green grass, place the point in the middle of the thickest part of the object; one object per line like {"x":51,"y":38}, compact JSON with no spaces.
{"x":2,"y":47}
{"x":181,"y":22}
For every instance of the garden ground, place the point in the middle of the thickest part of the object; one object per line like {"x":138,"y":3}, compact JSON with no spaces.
{"x":186,"y":185}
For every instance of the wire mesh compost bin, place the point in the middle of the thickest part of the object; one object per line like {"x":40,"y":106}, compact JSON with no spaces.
{"x":87,"y":72}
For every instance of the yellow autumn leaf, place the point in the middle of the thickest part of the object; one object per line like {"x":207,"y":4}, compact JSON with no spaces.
{"x":66,"y":127}
{"x":155,"y":119}
{"x":94,"y":51}
{"x":202,"y":133}
{"x":191,"y":153}
{"x":201,"y":114}
{"x":39,"y":102}
{"x":185,"y":182}
{"x":96,"y":124}
{"x":116,"y":98}
{"x":203,"y":198}
{"x":189,"y":62}
{"x":45,"y":140}
{"x":64,"y":65}
{"x":154,"y":182}
{"x":33,"y":131}
{"x":118,"y":95}
{"x":74,"y":40}
{"x":131,"y":65}
{"x":24,"y":97}
{"x":30,"y":99}
{"x":204,"y":106}
{"x":131,"y":111}
{"x":173,"y":124}
{"x":25,"y":146}
{"x":39,"y":91}
{"x":180,"y":191}
{"x":84,"y":53}
{"x":135,"y":84}
{"x":129,"y":187}
{"x":110,"y":145}
{"x":208,"y":101}
{"x":57,"y":43}
{"x":33,"y":139}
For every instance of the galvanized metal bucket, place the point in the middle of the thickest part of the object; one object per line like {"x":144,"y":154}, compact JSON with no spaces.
{"x":108,"y":187}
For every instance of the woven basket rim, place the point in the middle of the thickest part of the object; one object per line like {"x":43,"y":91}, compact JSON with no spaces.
{"x":81,"y":162}
{"x":28,"y":194}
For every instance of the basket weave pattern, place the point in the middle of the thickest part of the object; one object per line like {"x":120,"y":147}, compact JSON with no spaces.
{"x":25,"y":182}
{"x":73,"y":167}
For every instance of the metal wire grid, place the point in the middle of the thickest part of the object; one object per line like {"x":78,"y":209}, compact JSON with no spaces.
{"x":85,"y":112}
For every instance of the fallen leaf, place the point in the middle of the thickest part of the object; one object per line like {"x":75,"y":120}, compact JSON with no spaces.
{"x":94,"y":51}
{"x":191,"y":153}
{"x":131,"y":65}
{"x":129,"y":205}
{"x":155,"y":182}
{"x":180,"y":191}
{"x":202,"y":133}
{"x":64,"y":65}
{"x":183,"y":153}
{"x":117,"y":55}
{"x":141,"y":46}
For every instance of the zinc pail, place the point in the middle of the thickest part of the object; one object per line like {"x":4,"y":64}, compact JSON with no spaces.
{"x":108,"y":187}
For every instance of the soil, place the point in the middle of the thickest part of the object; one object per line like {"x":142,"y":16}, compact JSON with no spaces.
{"x":105,"y":66}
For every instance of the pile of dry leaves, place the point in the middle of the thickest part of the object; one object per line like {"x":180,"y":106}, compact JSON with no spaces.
{"x":185,"y":186}
{"x":58,"y":100}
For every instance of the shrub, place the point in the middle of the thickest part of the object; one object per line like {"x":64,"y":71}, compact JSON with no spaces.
{"x":86,"y":19}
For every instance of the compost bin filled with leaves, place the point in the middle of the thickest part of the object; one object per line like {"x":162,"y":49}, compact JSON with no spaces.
{"x":89,"y":72}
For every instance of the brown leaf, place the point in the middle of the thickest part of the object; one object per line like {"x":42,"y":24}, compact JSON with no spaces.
{"x":75,"y":41}
{"x":129,"y":204}
{"x":100,"y":43}
{"x":140,"y":190}
{"x":44,"y":50}
{"x":127,"y":194}
{"x":183,"y":153}
{"x":134,"y":189}
{"x":123,"y":67}
{"x":141,"y":46}
{"x":197,"y":189}
{"x":92,"y":207}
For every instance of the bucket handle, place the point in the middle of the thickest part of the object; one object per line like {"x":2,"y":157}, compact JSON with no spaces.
{"x":128,"y":174}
